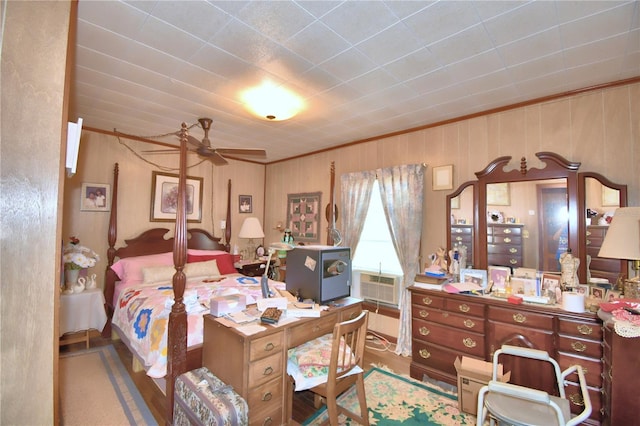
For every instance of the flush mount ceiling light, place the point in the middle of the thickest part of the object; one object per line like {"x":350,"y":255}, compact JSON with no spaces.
{"x":271,"y":102}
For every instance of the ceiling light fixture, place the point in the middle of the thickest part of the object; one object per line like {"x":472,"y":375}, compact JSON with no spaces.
{"x":271,"y":102}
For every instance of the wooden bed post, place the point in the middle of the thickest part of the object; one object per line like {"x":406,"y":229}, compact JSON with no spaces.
{"x":112,"y":237}
{"x":227,"y":230}
{"x":177,"y":328}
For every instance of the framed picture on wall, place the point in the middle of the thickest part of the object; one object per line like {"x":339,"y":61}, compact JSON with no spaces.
{"x":245,"y":204}
{"x":164,"y":197}
{"x":95,"y":197}
{"x":442,"y":177}
{"x":498,"y":194}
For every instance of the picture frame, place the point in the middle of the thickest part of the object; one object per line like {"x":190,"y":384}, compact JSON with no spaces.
{"x":245,"y":204}
{"x":164,"y":190}
{"x":582,"y":289}
{"x":95,"y":197}
{"x":525,"y":286}
{"x":612,"y":295}
{"x":476,"y":276}
{"x":455,"y":202}
{"x":499,"y":276}
{"x":610,"y":197}
{"x":524,"y":273}
{"x":597,"y":292}
{"x":303,"y":216}
{"x":442,"y":177}
{"x":498,"y":194}
{"x":551,"y":282}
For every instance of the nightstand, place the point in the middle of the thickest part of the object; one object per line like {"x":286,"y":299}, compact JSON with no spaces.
{"x":251,"y":268}
{"x":79,"y":313}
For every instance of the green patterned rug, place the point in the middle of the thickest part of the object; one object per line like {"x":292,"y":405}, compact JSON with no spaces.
{"x":396,"y":400}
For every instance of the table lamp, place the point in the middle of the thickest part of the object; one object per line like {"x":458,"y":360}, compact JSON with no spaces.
{"x":622,"y":241}
{"x":251,"y":229}
{"x":264,"y":281}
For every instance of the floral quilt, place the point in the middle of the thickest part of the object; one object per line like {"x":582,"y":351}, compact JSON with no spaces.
{"x":142,"y":314}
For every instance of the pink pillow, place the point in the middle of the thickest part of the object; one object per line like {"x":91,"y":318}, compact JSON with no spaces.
{"x":129,"y":269}
{"x":205,"y":252}
{"x":225,"y":261}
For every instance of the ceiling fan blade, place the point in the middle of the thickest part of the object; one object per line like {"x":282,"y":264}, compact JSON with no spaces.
{"x":243,"y":151}
{"x":162,"y":151}
{"x":217,"y":159}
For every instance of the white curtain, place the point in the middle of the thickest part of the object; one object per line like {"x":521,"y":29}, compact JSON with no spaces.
{"x":402,"y":192}
{"x":356,"y":193}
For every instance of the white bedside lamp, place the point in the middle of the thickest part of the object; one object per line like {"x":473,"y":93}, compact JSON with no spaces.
{"x":251,"y":229}
{"x":622,"y":241}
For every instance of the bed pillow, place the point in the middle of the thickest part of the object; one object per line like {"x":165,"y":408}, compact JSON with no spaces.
{"x":129,"y":269}
{"x":225,"y":261}
{"x":205,"y":252}
{"x":158,"y":274}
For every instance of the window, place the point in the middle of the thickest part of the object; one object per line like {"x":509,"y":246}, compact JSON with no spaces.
{"x":375,"y":250}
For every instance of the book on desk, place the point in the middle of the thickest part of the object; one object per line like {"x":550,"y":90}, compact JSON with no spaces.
{"x":430,"y":282}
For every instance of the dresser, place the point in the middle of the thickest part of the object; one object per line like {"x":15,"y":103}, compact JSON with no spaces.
{"x":255,"y":365}
{"x":504,"y":244}
{"x":599,"y":266}
{"x":463,"y":235}
{"x":446,"y":326}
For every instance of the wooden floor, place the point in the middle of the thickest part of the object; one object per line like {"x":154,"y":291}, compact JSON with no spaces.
{"x":375,"y":354}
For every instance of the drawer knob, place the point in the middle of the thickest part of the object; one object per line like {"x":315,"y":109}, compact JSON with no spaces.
{"x":513,"y":261}
{"x":267,"y":396}
{"x":268,"y":371}
{"x":268,"y":421}
{"x":519,"y":318}
{"x":269,"y":347}
{"x":425,"y":354}
{"x":423,"y":314}
{"x":507,"y":240}
{"x":585,"y":329}
{"x":353,"y":315}
{"x":464,"y":307}
{"x":576,"y":398}
{"x":427,"y":300}
{"x":469,"y":342}
{"x":588,"y":242}
{"x":424,"y":331}
{"x":513,"y":250}
{"x":469,"y":324}
{"x":578,"y":346}
{"x":588,"y":233}
{"x":507,"y":231}
{"x":458,"y":238}
{"x":459,"y":231}
{"x":315,"y":328}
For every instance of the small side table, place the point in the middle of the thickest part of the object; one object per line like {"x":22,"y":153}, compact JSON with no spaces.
{"x":81,"y":312}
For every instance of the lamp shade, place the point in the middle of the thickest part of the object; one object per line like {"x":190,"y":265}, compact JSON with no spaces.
{"x":251,"y":228}
{"x":622,"y":240}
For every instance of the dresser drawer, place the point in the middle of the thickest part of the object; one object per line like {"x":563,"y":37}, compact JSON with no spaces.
{"x":517,"y":335}
{"x":586,"y":330}
{"x":435,"y":357}
{"x":263,"y":398}
{"x":521,"y":318}
{"x":577,"y":346}
{"x":465,"y":341}
{"x":465,"y":307}
{"x":451,"y":319}
{"x":592,"y":368}
{"x":576,"y":402}
{"x":427,"y":300}
{"x":266,"y":346}
{"x":263,"y":370}
{"x":504,"y":260}
{"x":307,"y":331}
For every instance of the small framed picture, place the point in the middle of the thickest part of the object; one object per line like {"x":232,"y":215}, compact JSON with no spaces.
{"x":476,"y":276}
{"x":164,"y":197}
{"x":442,"y":177}
{"x":524,"y":272}
{"x":582,"y":289}
{"x":597,"y":292}
{"x":246,"y":206}
{"x":525,"y":286}
{"x":461,"y":221}
{"x":550,"y":282}
{"x":611,"y":295}
{"x":499,"y":276}
{"x":95,"y":197}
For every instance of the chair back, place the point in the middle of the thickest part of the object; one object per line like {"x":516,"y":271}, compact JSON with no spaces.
{"x":347,"y":350}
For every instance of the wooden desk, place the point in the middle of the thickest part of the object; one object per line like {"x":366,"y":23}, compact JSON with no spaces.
{"x":256,"y":365}
{"x":81,"y":312}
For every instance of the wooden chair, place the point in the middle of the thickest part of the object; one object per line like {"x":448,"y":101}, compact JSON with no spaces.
{"x":345,"y":368}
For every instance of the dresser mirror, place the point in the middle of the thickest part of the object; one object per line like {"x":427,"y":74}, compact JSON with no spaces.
{"x":525,"y":216}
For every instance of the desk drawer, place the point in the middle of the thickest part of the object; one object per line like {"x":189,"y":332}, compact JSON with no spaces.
{"x":307,"y":331}
{"x":266,"y":346}
{"x":271,"y":418}
{"x":263,"y":370}
{"x":350,"y":312}
{"x":462,"y":340}
{"x":263,"y":398}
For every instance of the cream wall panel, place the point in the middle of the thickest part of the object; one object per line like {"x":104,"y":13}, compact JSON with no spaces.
{"x":587,"y":129}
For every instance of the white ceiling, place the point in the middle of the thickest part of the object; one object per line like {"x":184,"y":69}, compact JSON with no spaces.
{"x":363,"y":68}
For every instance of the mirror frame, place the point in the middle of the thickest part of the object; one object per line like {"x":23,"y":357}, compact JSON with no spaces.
{"x":555,"y":167}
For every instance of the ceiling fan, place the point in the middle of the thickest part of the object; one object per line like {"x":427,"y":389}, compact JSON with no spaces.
{"x":215,"y":155}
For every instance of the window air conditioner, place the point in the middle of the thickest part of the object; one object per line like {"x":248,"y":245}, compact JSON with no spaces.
{"x":379,"y":287}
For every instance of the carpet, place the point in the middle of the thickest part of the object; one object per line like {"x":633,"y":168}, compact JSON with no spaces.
{"x":96,"y":389}
{"x":397,"y":400}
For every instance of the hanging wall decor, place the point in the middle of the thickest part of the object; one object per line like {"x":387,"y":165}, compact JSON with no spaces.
{"x":303,"y":216}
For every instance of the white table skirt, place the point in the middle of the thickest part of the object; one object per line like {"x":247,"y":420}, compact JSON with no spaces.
{"x":82,"y":311}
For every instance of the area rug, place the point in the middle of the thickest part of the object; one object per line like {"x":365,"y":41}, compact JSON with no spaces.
{"x":397,"y":400}
{"x":96,"y":389}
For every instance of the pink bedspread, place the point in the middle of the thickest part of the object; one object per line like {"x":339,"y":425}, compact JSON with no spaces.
{"x":142,"y":313}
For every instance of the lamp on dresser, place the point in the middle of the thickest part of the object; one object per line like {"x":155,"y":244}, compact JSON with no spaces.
{"x":251,"y":229}
{"x":622,"y":241}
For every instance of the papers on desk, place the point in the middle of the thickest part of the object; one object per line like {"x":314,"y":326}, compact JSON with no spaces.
{"x":462,"y":288}
{"x":304,"y":310}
